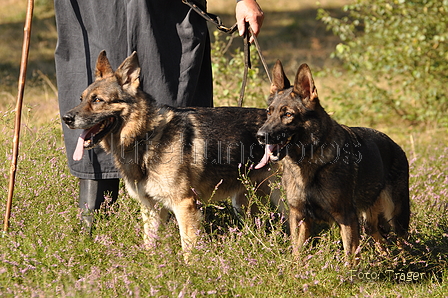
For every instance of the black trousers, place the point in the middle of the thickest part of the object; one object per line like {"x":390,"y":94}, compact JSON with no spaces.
{"x":172,"y":43}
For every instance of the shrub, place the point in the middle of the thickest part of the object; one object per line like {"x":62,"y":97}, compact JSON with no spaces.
{"x":396,"y":54}
{"x":228,"y":68}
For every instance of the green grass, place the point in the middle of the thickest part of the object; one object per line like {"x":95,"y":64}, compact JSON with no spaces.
{"x":46,"y":253}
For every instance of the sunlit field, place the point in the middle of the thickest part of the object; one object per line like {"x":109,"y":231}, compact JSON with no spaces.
{"x":46,"y":252}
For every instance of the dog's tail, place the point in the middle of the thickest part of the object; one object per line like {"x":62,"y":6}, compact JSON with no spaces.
{"x":400,"y":194}
{"x":402,"y":213}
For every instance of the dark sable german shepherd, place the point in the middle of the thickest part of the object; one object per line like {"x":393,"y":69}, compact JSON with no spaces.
{"x":168,"y":157}
{"x":332,"y":172}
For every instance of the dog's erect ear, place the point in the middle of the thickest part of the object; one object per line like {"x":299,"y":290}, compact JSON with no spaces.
{"x":103,"y":68}
{"x":279,"y":79}
{"x":128,"y":73}
{"x":304,"y":86}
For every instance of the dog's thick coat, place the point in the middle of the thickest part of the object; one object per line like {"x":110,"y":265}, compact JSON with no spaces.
{"x":168,"y":157}
{"x":332,"y":172}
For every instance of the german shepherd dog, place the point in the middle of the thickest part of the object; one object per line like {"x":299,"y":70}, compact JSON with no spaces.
{"x":332,"y":172}
{"x":168,"y":157}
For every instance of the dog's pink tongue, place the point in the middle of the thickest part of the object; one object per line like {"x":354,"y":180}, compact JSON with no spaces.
{"x":266,"y":156}
{"x":79,"y":150}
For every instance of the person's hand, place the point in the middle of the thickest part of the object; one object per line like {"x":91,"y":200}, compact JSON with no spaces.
{"x":249,"y":11}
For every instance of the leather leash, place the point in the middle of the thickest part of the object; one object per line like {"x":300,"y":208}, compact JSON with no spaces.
{"x":212,"y":18}
{"x":229,"y":30}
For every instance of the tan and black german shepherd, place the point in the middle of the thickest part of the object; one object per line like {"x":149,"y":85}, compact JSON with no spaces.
{"x":168,"y":157}
{"x":332,"y":172}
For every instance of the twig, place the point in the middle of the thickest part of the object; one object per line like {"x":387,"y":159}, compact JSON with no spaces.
{"x":21,"y":87}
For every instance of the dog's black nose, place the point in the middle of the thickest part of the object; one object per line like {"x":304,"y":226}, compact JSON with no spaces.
{"x":68,"y":118}
{"x":261,"y":136}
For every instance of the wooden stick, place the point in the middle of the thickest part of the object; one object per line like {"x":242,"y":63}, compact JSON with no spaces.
{"x":21,"y":87}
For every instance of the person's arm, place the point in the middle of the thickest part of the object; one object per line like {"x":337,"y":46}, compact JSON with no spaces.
{"x":248,"y":11}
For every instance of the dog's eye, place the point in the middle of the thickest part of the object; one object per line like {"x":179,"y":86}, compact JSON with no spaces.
{"x":289,"y":114}
{"x":97,"y":100}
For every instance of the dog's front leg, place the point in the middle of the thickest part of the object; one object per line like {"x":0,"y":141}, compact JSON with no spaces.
{"x":300,"y":229}
{"x":152,"y":215}
{"x":188,"y":217}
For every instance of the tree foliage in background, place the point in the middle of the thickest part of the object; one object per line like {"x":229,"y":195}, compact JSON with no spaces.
{"x":228,"y":69}
{"x":397,"y":56}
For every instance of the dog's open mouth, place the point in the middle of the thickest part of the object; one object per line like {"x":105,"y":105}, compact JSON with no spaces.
{"x":89,"y":138}
{"x":272,"y":153}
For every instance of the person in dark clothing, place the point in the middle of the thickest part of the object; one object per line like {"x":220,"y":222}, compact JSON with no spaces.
{"x":173,"y":45}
